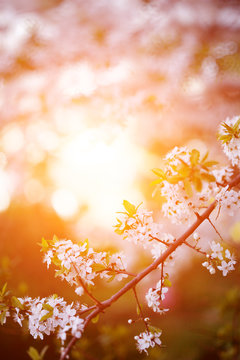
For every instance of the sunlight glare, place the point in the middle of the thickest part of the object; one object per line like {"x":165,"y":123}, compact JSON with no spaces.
{"x":64,"y":203}
{"x":99,"y":166}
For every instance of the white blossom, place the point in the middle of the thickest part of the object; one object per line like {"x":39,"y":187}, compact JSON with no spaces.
{"x":228,"y":200}
{"x":223,"y":174}
{"x":178,"y":205}
{"x":209,"y":267}
{"x":78,"y":261}
{"x":216,"y":250}
{"x":140,"y":227}
{"x":219,"y":256}
{"x":147,"y":339}
{"x":18,"y":317}
{"x":49,"y":315}
{"x":196,"y":236}
{"x":225,"y":267}
{"x":7,"y":314}
{"x":79,"y":290}
{"x":154,"y":297}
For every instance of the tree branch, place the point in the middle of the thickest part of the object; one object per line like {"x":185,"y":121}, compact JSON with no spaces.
{"x":85,"y":288}
{"x":131,"y":284}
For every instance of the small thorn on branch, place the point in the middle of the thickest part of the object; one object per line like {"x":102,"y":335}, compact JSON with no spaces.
{"x":199,"y":217}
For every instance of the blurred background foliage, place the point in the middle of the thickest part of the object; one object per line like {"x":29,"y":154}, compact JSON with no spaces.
{"x":92,"y":95}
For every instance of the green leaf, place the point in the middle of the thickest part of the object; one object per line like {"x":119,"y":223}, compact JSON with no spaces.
{"x":225,"y":138}
{"x":155,"y":182}
{"x":210,"y":163}
{"x":227,"y":127}
{"x":87,"y":246}
{"x":3,"y":317}
{"x":95,"y":319}
{"x":47,"y":307}
{"x":44,"y":244}
{"x":46,"y":316}
{"x":98,"y":267}
{"x":59,"y":272}
{"x":188,"y":187}
{"x":197,"y":183}
{"x":108,"y":256}
{"x":174,"y":179}
{"x":56,"y":260}
{"x":154,"y":329}
{"x":159,"y":172}
{"x":111,"y":278}
{"x":118,"y":231}
{"x":130,"y":208}
{"x":43,"y":352}
{"x":167,"y":282}
{"x":3,"y":289}
{"x":236,"y":125}
{"x":33,"y":353}
{"x":184,"y":171}
{"x":208,"y":177}
{"x":138,"y":310}
{"x":16,"y":303}
{"x":55,"y":238}
{"x":205,"y":157}
{"x":194,"y":157}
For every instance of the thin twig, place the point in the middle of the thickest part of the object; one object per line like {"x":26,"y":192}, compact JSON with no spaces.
{"x":117,"y":271}
{"x":218,"y":213}
{"x":86,"y":310}
{"x":85,"y":288}
{"x":140,"y":308}
{"x":159,"y":240}
{"x":216,"y":230}
{"x":161,"y":281}
{"x":195,"y":248}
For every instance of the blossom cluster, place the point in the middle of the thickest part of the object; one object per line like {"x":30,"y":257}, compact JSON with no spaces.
{"x":137,"y":225}
{"x":79,"y":263}
{"x":48,"y":315}
{"x":147,"y":339}
{"x":154,"y":297}
{"x":223,"y":174}
{"x":229,"y":134}
{"x":229,"y":200}
{"x":184,"y":170}
{"x":220,"y":259}
{"x":183,"y":173}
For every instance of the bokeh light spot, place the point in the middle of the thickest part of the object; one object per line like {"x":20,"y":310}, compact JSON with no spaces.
{"x":64,"y":203}
{"x":12,"y":139}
